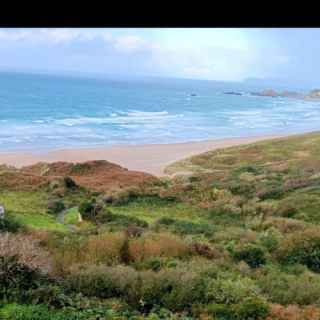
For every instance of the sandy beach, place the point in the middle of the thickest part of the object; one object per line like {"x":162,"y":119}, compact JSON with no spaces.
{"x":151,"y":158}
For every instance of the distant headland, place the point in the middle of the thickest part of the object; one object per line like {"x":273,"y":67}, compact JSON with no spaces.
{"x":313,"y":94}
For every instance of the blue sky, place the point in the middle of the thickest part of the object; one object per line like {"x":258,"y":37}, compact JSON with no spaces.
{"x":215,"y":54}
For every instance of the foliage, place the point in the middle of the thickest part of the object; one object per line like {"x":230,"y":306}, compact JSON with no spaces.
{"x":55,"y":206}
{"x":252,"y":254}
{"x":302,"y":247}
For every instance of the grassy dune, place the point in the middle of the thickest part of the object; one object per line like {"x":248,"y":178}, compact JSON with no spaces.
{"x":235,"y":238}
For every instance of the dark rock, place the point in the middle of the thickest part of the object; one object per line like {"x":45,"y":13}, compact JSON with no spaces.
{"x":233,"y":93}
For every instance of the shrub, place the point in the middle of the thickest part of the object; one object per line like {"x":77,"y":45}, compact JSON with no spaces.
{"x":224,"y":209}
{"x":250,"y":309}
{"x":167,"y":221}
{"x":244,"y":188}
{"x":125,"y":256}
{"x":69,"y":183}
{"x":247,"y":169}
{"x":220,"y":311}
{"x":186,"y":227}
{"x":226,"y":289}
{"x":96,"y":249}
{"x":43,"y":312}
{"x":55,"y":206}
{"x":16,"y":279}
{"x":86,"y":207}
{"x":9,"y":225}
{"x":254,"y":308}
{"x":285,"y":289}
{"x":89,"y":210}
{"x":252,"y":254}
{"x":204,"y":250}
{"x":286,"y":210}
{"x":285,"y":225}
{"x":157,"y":245}
{"x":121,"y":220}
{"x":302,"y":247}
{"x":175,"y":290}
{"x":102,"y":281}
{"x":271,"y":193}
{"x":121,"y":197}
{"x":270,"y":239}
{"x":293,"y":312}
{"x":27,"y":251}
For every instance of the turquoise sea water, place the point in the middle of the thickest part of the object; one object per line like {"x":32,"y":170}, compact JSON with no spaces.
{"x":42,"y":112}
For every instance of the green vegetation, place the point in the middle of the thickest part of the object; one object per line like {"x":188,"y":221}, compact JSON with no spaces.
{"x":237,"y":238}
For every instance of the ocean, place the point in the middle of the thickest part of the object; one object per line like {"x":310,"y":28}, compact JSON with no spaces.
{"x":43,"y":112}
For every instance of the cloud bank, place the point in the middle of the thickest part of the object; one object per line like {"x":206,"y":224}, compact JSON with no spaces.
{"x":214,"y":54}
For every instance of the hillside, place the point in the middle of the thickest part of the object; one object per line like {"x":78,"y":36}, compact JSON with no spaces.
{"x":232,"y":234}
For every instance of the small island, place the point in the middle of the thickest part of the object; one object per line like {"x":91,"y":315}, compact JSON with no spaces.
{"x":275,"y":94}
{"x":233,"y":93}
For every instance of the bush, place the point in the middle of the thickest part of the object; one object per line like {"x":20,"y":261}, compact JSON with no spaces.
{"x":121,"y":220}
{"x":233,"y":298}
{"x":96,"y":249}
{"x":167,"y":221}
{"x":250,"y":309}
{"x":186,"y":227}
{"x":101,"y":281}
{"x":286,"y":210}
{"x":252,"y":254}
{"x":226,"y":289}
{"x":26,"y":250}
{"x":302,"y":247}
{"x":283,"y":288}
{"x":69,"y":183}
{"x":175,"y":290}
{"x":55,"y":206}
{"x":91,"y":210}
{"x":9,"y":225}
{"x":125,"y":255}
{"x":270,"y":239}
{"x":204,"y":250}
{"x":43,"y":312}
{"x":17,"y":279}
{"x":285,"y":225}
{"x":293,"y":312}
{"x":157,"y":245}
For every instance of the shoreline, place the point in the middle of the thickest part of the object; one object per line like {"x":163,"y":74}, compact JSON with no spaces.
{"x":149,"y":158}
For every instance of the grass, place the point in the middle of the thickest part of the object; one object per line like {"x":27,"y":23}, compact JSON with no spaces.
{"x":39,"y":222}
{"x":71,"y":216}
{"x":29,"y":209}
{"x":20,"y":202}
{"x":293,"y":151}
{"x":152,"y":209}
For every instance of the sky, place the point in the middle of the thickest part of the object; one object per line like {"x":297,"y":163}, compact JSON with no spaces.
{"x":230,"y":54}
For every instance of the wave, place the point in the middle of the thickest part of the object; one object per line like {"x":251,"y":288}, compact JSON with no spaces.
{"x":137,"y":113}
{"x":120,"y":118}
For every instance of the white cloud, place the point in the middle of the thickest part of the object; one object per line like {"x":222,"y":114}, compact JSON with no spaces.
{"x":131,"y":43}
{"x":54,"y":35}
{"x":209,"y":53}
